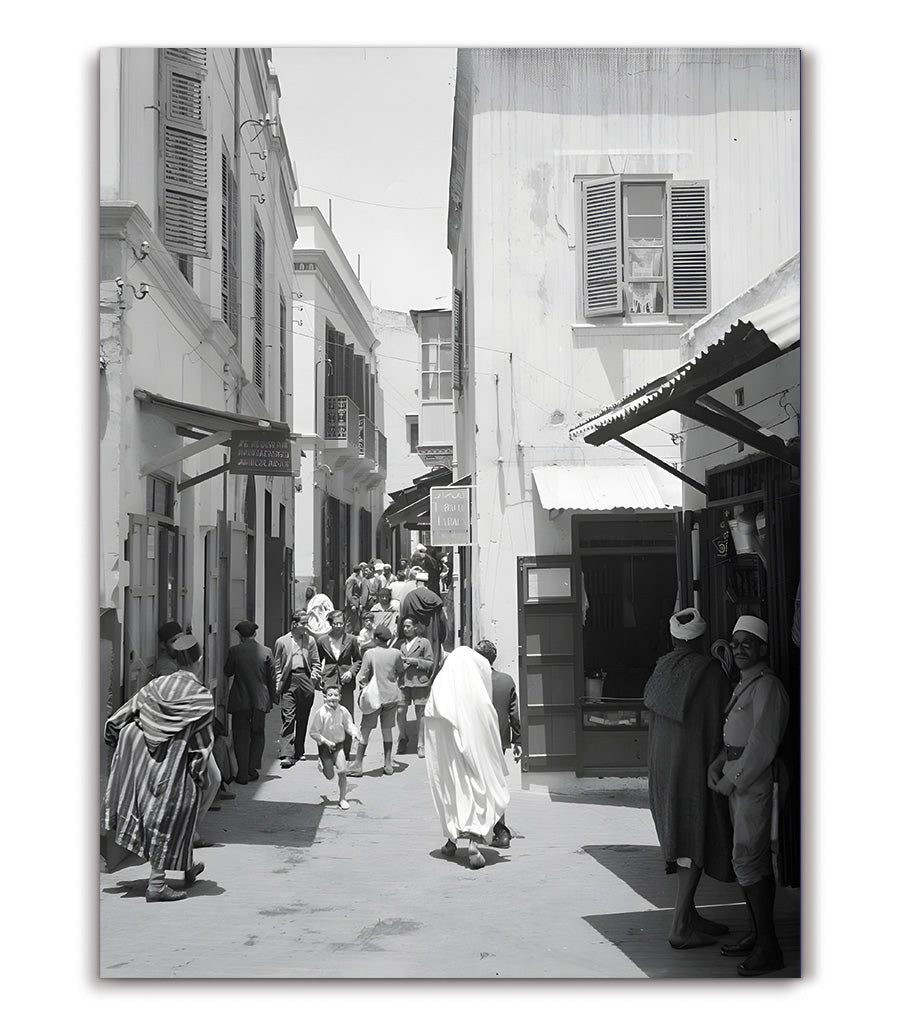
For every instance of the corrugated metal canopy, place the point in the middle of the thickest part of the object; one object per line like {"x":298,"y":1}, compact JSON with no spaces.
{"x":612,"y":487}
{"x":741,"y":337}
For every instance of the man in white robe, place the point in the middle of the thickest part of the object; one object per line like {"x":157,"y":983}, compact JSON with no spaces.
{"x":463,"y":756}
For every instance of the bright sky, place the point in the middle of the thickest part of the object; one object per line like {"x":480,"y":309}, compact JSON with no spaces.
{"x":370,"y":129}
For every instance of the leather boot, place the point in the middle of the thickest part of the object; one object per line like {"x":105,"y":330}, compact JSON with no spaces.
{"x":745,"y":943}
{"x":355,"y":769}
{"x":766,"y":955}
{"x":388,"y":758}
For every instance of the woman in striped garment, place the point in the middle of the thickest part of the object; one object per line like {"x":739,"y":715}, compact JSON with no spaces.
{"x":159,"y":779}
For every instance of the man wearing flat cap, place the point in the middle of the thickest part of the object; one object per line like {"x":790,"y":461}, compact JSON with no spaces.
{"x":755,"y":721}
{"x":251,"y":666}
{"x":686,"y":697}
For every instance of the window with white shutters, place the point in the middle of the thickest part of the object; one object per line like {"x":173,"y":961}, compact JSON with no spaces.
{"x":645,"y":246}
{"x":259,"y":312}
{"x":184,"y":152}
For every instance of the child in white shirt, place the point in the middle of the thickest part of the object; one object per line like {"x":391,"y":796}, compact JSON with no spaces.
{"x":329,"y":727}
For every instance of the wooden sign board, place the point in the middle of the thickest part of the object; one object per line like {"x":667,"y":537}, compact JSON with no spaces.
{"x":260,"y":453}
{"x":451,"y":515}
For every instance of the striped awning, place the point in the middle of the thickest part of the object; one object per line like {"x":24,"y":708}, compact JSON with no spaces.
{"x":750,"y":340}
{"x":610,"y":487}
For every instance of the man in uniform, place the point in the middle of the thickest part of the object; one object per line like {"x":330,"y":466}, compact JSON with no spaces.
{"x":252,"y":695}
{"x":755,"y":720}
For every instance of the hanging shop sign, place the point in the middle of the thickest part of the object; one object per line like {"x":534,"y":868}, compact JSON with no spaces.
{"x":260,"y":453}
{"x":451,"y":515}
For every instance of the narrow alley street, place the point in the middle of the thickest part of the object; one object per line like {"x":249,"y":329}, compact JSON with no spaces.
{"x":296,"y":888}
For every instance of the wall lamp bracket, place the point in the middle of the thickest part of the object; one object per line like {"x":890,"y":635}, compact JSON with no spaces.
{"x":143,"y":252}
{"x":259,"y":198}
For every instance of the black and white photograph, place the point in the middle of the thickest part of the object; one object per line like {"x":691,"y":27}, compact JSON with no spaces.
{"x":426,"y":534}
{"x":458,"y":587}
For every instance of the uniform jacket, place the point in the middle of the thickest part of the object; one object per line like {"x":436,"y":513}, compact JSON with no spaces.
{"x":506,"y":703}
{"x":289,"y":654}
{"x":348,"y":659}
{"x":755,"y":718}
{"x":252,"y":667}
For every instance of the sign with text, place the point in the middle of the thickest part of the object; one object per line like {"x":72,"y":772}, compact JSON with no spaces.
{"x":260,"y":453}
{"x":451,"y":515}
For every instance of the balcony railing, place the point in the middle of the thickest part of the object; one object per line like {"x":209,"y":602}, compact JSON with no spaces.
{"x":368,"y":448}
{"x":340,"y":414}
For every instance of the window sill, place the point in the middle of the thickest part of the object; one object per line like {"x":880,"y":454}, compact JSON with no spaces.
{"x":616,"y":326}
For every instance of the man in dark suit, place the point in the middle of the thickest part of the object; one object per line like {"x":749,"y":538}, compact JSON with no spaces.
{"x":506,"y":703}
{"x":340,"y":659}
{"x":251,"y":666}
{"x":297,"y":672}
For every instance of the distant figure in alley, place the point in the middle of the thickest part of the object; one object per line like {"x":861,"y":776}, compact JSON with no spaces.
{"x":253,"y":693}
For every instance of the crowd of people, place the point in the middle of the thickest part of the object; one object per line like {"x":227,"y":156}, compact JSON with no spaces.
{"x":716,"y":722}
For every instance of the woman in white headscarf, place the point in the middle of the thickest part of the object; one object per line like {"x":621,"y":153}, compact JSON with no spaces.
{"x":463,"y":756}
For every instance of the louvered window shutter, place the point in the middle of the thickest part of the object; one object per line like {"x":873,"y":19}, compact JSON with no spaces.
{"x":459,"y":356}
{"x":688,"y":247}
{"x":185,"y":153}
{"x":601,"y":219}
{"x":259,"y":313}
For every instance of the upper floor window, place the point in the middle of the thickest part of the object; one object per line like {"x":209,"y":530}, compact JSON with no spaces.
{"x":645,"y":246}
{"x":437,"y":371}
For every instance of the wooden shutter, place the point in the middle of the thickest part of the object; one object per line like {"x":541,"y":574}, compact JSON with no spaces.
{"x":184,"y":153}
{"x":459,"y":355}
{"x":688,"y":220}
{"x":601,"y":221}
{"x":259,"y":313}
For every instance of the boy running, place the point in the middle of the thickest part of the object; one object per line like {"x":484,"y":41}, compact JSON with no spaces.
{"x":329,"y":727}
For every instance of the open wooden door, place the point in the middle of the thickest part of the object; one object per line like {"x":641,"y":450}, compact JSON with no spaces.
{"x":549,"y":607}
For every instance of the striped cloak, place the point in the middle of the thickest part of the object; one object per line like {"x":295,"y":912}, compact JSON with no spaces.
{"x":163,"y":737}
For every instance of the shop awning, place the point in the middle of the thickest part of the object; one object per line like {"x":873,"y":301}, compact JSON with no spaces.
{"x":411,"y":507}
{"x":205,"y":419}
{"x":211,"y":427}
{"x":616,"y":487}
{"x":753,"y":329}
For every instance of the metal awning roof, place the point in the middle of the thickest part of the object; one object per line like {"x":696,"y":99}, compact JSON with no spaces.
{"x":753,"y":329}
{"x":752,"y":340}
{"x":610,"y":487}
{"x":206,"y":419}
{"x":412,"y":506}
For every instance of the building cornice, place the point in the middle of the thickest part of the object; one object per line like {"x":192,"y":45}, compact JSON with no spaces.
{"x":319,"y":261}
{"x":126,"y":222}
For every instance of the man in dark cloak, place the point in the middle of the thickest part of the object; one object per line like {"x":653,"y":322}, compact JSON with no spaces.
{"x":686,"y":696}
{"x":426,"y":607}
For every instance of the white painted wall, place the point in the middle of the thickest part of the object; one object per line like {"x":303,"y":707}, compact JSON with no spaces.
{"x":532,"y":121}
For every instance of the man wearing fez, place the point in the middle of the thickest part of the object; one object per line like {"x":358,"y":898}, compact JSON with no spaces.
{"x":251,"y":696}
{"x":755,"y":721}
{"x":686,"y":696}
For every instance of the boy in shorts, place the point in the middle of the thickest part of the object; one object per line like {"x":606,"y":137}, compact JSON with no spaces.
{"x":329,"y":726}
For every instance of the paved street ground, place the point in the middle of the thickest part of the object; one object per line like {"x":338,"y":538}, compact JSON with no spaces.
{"x":294,"y":887}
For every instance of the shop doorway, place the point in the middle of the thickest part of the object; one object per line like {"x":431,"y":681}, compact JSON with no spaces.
{"x":629,"y":585}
